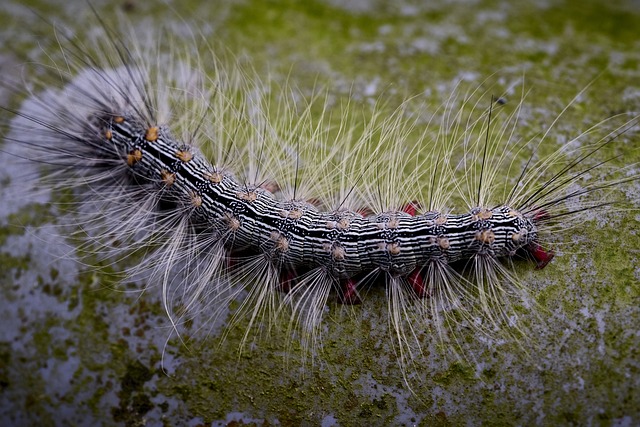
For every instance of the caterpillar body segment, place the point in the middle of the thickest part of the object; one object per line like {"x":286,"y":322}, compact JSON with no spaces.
{"x":295,"y":235}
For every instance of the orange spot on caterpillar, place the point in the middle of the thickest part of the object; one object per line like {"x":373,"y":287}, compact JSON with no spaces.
{"x":232,"y":222}
{"x":486,"y":236}
{"x":343,"y":224}
{"x":151,"y":134}
{"x":247,"y":196}
{"x":292,"y":214}
{"x":184,"y":155}
{"x":196,"y":200}
{"x":338,"y":253}
{"x":282,"y":243}
{"x":214,"y":177}
{"x":393,"y":248}
{"x":118,"y":119}
{"x":134,"y":157}
{"x":482,"y":214}
{"x":108,"y":135}
{"x":441,"y":219}
{"x":168,"y":177}
{"x":517,"y":237}
{"x":443,"y":242}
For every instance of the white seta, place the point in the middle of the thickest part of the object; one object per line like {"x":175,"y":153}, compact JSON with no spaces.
{"x":304,"y":154}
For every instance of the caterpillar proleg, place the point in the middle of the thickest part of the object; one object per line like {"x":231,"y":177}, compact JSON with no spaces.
{"x":259,"y":207}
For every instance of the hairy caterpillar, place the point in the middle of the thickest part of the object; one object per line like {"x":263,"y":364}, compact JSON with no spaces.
{"x":140,"y":210}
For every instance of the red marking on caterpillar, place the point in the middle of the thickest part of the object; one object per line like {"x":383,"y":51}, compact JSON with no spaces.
{"x":412,"y":208}
{"x":541,"y":256}
{"x":417,"y":283}
{"x":348,"y":293}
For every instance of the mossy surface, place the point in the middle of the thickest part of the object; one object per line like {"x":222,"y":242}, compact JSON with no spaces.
{"x":79,"y":348}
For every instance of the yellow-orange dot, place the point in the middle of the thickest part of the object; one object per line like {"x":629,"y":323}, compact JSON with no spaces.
{"x":249,"y":196}
{"x":343,"y":224}
{"x":338,"y":253}
{"x":214,"y":177}
{"x":108,"y":135}
{"x":295,"y":214}
{"x":196,"y":200}
{"x":516,"y":237}
{"x":483,"y":214}
{"x":168,"y":177}
{"x":134,"y":157}
{"x":152,"y":134}
{"x":393,"y":248}
{"x":232,"y":222}
{"x":443,"y":242}
{"x":441,"y":220}
{"x":514,"y":213}
{"x":486,"y":236}
{"x":184,"y":155}
{"x":118,"y":119}
{"x":282,"y":244}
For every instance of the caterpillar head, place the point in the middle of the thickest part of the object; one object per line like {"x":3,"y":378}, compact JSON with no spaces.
{"x":520,"y":232}
{"x":503,"y":228}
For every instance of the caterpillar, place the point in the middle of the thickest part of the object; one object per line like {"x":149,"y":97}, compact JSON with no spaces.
{"x":252,"y":203}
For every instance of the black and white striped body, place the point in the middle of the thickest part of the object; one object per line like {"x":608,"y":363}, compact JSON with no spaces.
{"x":295,"y":234}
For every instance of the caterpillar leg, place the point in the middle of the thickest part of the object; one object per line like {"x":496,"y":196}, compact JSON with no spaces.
{"x":412,"y":207}
{"x":348,"y":293}
{"x":540,"y":255}
{"x":287,"y":280}
{"x":416,"y":280}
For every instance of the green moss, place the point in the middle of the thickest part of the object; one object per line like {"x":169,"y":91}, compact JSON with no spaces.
{"x":134,"y":401}
{"x":5,"y":362}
